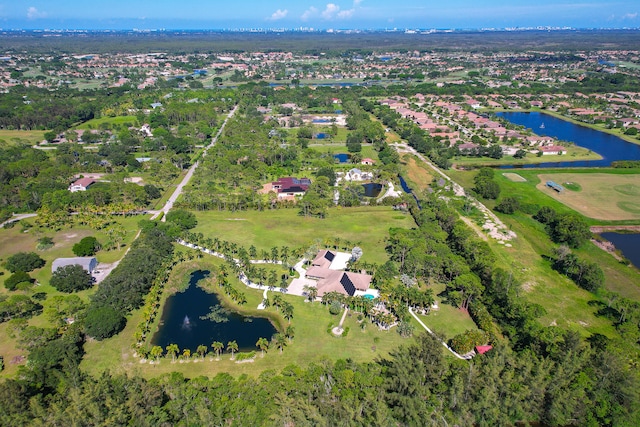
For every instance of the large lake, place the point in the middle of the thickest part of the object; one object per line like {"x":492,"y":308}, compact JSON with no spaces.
{"x":610,"y":147}
{"x":629,"y":244}
{"x":182,"y":324}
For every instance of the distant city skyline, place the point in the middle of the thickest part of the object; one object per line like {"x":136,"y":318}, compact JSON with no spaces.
{"x":334,"y":14}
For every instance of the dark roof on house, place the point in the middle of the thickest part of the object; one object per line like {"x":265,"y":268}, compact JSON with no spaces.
{"x":291,"y":185}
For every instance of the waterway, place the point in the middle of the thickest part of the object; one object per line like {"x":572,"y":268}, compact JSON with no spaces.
{"x":628,"y":244}
{"x":408,"y":190}
{"x":610,"y":147}
{"x":182,"y":321}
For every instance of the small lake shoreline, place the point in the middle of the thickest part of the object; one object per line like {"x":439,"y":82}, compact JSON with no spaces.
{"x":567,"y":119}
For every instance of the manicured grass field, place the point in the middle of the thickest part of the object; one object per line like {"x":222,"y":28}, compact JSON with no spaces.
{"x":366,"y":226}
{"x":114,"y":121}
{"x":13,"y":136}
{"x":311,"y":343}
{"x":601,"y":196}
{"x":367,"y":149}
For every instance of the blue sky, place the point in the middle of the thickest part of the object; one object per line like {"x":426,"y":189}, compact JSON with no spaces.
{"x":376,"y":14}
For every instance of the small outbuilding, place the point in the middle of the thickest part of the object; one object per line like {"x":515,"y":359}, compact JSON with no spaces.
{"x":482,"y":349}
{"x":87,"y":263}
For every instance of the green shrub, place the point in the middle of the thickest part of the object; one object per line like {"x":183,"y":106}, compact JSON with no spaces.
{"x":18,"y":277}
{"x":24,"y":261}
{"x":103,"y":322}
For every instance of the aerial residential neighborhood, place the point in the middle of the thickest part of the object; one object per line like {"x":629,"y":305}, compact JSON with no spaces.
{"x":320,"y":215}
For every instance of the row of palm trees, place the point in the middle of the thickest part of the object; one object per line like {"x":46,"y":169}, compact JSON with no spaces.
{"x":278,"y":341}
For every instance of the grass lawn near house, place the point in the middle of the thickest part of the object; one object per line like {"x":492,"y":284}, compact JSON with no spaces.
{"x":112,"y":121}
{"x":367,"y":149}
{"x":10,"y":137}
{"x":311,"y":343}
{"x":447,"y":320}
{"x":366,"y":226}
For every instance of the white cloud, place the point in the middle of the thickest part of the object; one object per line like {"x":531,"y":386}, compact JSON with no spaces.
{"x":630,"y":16}
{"x":33,"y":13}
{"x":309,"y":13}
{"x":278,"y":14}
{"x":330,"y":11}
{"x":356,"y":3}
{"x":346,"y":14}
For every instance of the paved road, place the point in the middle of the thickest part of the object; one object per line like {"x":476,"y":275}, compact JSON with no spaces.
{"x":18,"y":217}
{"x":169,"y":204}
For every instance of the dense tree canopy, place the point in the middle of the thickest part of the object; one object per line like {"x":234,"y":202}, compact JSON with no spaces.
{"x":71,"y":278}
{"x":24,"y":261}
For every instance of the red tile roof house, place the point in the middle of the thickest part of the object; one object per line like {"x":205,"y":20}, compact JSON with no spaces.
{"x":81,"y":185}
{"x":287,"y":188}
{"x":344,"y":282}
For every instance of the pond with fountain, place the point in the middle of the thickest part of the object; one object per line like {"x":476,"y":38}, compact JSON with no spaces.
{"x":194,"y":317}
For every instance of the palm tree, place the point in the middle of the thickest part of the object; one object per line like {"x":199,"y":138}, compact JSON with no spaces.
{"x":280,"y":341}
{"x":289,"y":332}
{"x":262,"y":344}
{"x":287,"y":311}
{"x":217,"y":347}
{"x":173,"y":349}
{"x":156,"y":352}
{"x":201,"y":350}
{"x":232,"y":346}
{"x":186,"y":353}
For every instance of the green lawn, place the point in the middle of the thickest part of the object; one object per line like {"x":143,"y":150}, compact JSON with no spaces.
{"x":312,"y":342}
{"x":13,"y":136}
{"x":113,"y":121}
{"x":447,"y":320}
{"x":566,"y":304}
{"x":574,"y":154}
{"x":367,"y":149}
{"x":366,"y":226}
{"x":13,"y":240}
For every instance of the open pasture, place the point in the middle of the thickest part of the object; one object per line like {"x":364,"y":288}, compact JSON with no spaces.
{"x":601,"y":196}
{"x":366,"y":226}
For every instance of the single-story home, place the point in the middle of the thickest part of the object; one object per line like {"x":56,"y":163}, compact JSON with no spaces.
{"x":553,"y":149}
{"x":87,"y":263}
{"x":81,"y":185}
{"x":288,"y":188}
{"x":332,"y":280}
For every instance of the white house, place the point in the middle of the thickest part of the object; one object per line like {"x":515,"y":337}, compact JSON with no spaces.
{"x":81,"y":185}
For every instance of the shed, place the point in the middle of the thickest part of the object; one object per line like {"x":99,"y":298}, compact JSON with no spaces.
{"x":482,"y":349}
{"x":87,"y":263}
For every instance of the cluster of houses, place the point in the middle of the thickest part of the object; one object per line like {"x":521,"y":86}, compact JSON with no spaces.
{"x":468,"y":123}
